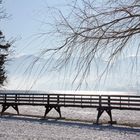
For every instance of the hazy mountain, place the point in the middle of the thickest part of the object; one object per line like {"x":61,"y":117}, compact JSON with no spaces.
{"x":124,"y":75}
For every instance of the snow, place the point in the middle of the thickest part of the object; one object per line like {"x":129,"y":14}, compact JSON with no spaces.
{"x":77,"y":125}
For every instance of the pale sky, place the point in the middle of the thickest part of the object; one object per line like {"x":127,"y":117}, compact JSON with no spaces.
{"x":25,"y":21}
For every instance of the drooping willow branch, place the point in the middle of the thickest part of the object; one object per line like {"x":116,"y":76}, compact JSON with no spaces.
{"x":94,"y":30}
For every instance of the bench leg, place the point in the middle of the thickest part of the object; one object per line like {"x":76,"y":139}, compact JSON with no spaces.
{"x":16,"y":108}
{"x":48,"y":109}
{"x":100,"y":112}
{"x":58,"y":110}
{"x":110,"y":115}
{"x":4,"y":107}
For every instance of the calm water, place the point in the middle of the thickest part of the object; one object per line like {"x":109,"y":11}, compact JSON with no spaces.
{"x":72,"y":92}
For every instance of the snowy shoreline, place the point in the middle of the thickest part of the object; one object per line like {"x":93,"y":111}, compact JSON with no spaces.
{"x":77,"y":125}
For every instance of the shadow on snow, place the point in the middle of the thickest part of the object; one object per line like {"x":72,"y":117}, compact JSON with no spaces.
{"x":69,"y":123}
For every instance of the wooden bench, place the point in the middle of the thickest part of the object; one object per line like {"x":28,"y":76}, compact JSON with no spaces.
{"x":100,"y":102}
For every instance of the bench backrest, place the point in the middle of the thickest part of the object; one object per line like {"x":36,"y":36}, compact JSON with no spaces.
{"x":130,"y":102}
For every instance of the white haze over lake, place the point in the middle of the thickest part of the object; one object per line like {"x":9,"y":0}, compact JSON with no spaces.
{"x":70,"y":92}
{"x":21,"y":77}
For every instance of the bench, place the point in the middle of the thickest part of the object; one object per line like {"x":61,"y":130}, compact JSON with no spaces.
{"x":101,"y":102}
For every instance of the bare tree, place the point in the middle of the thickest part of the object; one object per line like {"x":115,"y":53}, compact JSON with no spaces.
{"x":94,"y":29}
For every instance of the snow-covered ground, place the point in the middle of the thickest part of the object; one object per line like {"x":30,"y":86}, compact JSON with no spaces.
{"x":77,"y":125}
